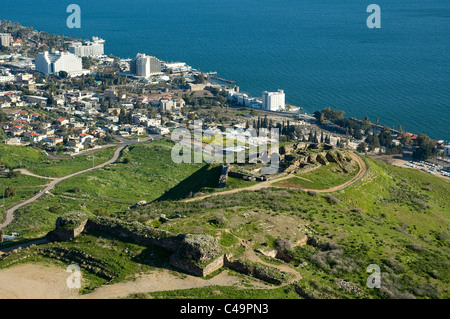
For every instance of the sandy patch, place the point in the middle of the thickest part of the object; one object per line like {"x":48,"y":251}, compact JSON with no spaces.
{"x":163,"y":280}
{"x":31,"y":281}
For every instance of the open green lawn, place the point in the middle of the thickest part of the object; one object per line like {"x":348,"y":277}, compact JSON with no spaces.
{"x":37,"y":162}
{"x":25,"y":186}
{"x":148,"y":175}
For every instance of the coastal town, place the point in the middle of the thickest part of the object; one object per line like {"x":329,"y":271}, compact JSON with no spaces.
{"x":66,"y":97}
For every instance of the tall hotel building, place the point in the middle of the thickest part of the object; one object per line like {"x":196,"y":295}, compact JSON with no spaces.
{"x":5,"y":39}
{"x":88,"y":49}
{"x":53,"y":62}
{"x":273,"y":101}
{"x":145,"y":66}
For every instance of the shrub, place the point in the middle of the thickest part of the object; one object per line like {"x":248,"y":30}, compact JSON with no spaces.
{"x":283,"y":244}
{"x":427,"y":290}
{"x":13,"y":174}
{"x":101,"y":212}
{"x":54,"y":209}
{"x":76,"y":190}
{"x":332,"y":199}
{"x":219,"y":220}
{"x":416,"y":247}
{"x":422,"y":204}
{"x":10,"y":191}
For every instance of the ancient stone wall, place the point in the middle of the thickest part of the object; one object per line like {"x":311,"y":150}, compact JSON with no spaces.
{"x":195,"y":254}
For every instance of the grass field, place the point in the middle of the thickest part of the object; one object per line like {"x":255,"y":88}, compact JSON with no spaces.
{"x":396,"y":218}
{"x":393,"y":217}
{"x":25,"y":186}
{"x":38,"y":163}
{"x":149,"y":174}
{"x":323,"y":177}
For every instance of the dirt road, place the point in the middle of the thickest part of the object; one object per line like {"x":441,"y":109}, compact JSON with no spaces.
{"x":55,"y":181}
{"x":266,"y":184}
{"x":361,"y":173}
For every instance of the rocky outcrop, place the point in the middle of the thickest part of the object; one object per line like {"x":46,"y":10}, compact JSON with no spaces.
{"x":285,"y":150}
{"x":332,"y":157}
{"x":247,"y":177}
{"x":321,"y":160}
{"x":311,"y":160}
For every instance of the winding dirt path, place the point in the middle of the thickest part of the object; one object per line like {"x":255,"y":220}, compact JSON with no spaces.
{"x":361,"y":173}
{"x":27,"y":172}
{"x":53,"y":182}
{"x":267,"y":184}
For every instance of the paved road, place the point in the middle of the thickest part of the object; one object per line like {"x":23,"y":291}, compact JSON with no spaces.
{"x":123,"y":143}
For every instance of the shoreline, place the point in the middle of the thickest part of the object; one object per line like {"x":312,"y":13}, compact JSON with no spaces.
{"x":215,"y":75}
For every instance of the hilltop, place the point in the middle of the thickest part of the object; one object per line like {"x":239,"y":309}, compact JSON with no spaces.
{"x":311,"y":244}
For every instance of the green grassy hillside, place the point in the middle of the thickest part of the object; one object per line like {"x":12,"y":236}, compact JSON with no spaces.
{"x":143,"y":172}
{"x":396,"y":218}
{"x":37,"y":162}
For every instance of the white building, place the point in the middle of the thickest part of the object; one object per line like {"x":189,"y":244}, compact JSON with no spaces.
{"x":88,"y":49}
{"x":34,"y":137}
{"x":5,"y":76}
{"x":5,"y":39}
{"x":54,"y":62}
{"x":167,"y":104}
{"x":161,"y":130}
{"x":177,"y":67}
{"x":145,"y":66}
{"x":273,"y":101}
{"x":239,"y":98}
{"x":447,"y":150}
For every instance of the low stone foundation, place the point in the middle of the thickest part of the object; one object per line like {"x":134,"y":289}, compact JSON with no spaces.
{"x":192,"y":268}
